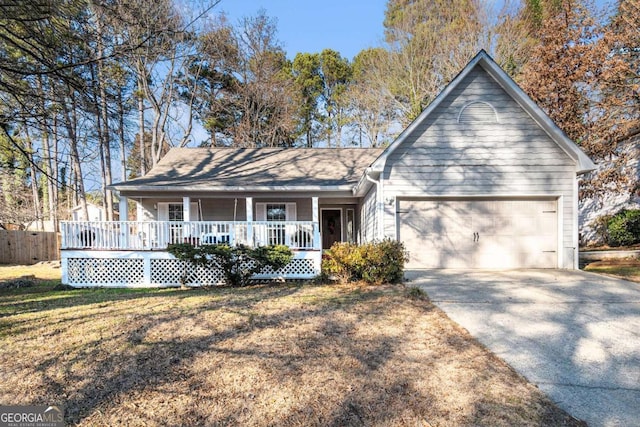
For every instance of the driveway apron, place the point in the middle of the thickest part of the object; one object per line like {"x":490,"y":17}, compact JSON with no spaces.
{"x":576,"y":335}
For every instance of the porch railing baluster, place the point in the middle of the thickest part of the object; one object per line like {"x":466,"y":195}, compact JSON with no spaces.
{"x":156,"y":235}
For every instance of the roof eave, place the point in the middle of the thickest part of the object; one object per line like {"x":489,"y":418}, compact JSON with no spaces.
{"x":230,"y":189}
{"x":583,"y":163}
{"x":364,"y":184}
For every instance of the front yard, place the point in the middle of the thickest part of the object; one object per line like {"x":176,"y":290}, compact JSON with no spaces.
{"x":285,"y":354}
{"x":628,"y":269}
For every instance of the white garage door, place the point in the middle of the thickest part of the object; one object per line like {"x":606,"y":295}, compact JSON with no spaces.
{"x":480,"y":233}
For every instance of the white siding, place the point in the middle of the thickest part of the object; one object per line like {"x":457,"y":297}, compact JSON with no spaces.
{"x":368,"y":216}
{"x":513,"y":157}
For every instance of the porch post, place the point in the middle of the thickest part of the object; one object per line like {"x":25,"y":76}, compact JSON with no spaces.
{"x":249,"y":203}
{"x":124,"y":211}
{"x":316,"y":223}
{"x":186,"y":209}
{"x":124,"y":226}
{"x":186,"y":217}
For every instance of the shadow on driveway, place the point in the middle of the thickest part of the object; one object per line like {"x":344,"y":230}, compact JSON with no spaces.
{"x":574,"y":334}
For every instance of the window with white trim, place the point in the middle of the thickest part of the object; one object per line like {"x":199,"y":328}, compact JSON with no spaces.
{"x":176,"y":212}
{"x":278,"y":213}
{"x":350,"y":226}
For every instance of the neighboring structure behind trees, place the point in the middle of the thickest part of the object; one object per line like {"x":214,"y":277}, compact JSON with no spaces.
{"x":96,"y":213}
{"x":596,"y":208}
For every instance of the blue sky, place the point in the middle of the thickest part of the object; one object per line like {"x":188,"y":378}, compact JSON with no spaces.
{"x":347,"y":26}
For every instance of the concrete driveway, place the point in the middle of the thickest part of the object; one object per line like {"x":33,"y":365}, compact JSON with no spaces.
{"x":574,"y":334}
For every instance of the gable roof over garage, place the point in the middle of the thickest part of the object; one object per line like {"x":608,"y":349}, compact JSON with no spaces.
{"x":482,"y":59}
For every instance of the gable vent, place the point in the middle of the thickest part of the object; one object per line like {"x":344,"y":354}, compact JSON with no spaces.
{"x":478,"y":112}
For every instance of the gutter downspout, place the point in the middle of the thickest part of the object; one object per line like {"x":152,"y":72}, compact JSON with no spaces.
{"x":379,"y":202}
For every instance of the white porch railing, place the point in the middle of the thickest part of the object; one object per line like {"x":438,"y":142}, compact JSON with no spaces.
{"x":150,"y":235}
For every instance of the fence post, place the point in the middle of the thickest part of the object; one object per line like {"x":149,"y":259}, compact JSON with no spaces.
{"x":63,"y":235}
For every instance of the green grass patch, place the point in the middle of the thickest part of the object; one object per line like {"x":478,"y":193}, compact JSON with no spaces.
{"x":621,"y":271}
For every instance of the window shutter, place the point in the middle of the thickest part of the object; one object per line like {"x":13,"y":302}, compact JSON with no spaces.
{"x":291,"y":212}
{"x":163,"y":211}
{"x":261,"y":211}
{"x":193,"y":211}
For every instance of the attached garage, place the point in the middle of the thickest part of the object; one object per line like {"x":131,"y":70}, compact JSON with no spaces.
{"x":480,"y":233}
{"x":481,"y":179}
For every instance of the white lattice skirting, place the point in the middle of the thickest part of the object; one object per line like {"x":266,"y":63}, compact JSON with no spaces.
{"x":161,"y":269}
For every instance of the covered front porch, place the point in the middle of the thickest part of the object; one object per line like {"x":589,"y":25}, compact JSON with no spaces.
{"x":301,"y":223}
{"x":134,"y":252}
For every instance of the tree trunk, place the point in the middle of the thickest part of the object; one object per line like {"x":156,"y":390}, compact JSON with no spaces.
{"x":48,"y":161}
{"x":71,"y":123}
{"x":104,"y":140}
{"x":56,"y":169}
{"x":34,"y":181}
{"x":100,"y":130}
{"x":143,"y":169}
{"x":123,"y":143}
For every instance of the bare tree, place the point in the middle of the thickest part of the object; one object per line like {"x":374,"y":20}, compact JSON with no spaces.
{"x":162,"y":50}
{"x":428,"y":43}
{"x":372,"y":105}
{"x":247,"y":87}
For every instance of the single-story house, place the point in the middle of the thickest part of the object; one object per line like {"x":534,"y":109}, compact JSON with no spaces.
{"x":481,"y":179}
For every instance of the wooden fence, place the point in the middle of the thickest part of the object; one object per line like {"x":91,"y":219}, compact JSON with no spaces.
{"x":28,"y":247}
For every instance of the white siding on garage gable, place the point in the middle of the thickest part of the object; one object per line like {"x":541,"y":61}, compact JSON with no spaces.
{"x":478,"y":112}
{"x":514,"y":156}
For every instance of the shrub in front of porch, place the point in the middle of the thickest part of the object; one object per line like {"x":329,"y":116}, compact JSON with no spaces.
{"x":375,"y":263}
{"x":238,"y":263}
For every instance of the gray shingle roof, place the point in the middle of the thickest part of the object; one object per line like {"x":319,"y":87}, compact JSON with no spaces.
{"x":251,"y":168}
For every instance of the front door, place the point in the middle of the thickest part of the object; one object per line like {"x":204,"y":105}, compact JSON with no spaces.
{"x":331,"y":227}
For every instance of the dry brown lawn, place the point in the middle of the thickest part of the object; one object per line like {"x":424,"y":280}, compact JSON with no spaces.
{"x":285,"y":355}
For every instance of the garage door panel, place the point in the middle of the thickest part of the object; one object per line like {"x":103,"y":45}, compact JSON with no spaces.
{"x":480,"y":233}
{"x":497,"y":252}
{"x":456,"y":259}
{"x":494,"y":252}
